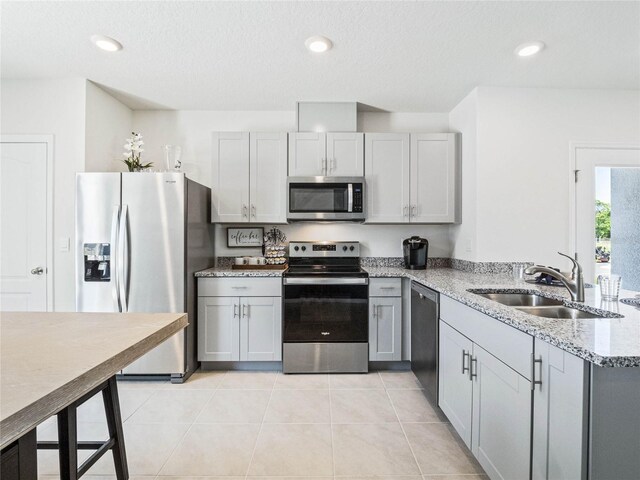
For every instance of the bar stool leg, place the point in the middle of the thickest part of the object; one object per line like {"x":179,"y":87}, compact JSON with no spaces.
{"x":114,"y":422}
{"x":68,"y":443}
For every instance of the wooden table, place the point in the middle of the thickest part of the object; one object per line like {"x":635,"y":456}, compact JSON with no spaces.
{"x":50,"y":361}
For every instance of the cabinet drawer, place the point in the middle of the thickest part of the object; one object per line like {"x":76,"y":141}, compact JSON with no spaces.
{"x":385,"y":287}
{"x":239,"y":287}
{"x":511,"y":346}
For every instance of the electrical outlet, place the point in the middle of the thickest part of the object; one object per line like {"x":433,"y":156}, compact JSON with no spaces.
{"x":64,"y":244}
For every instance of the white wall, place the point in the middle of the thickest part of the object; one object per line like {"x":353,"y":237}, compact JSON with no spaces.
{"x":53,"y":107}
{"x":192,"y":131}
{"x":108,"y":123}
{"x":523,"y":164}
{"x":464,"y":119}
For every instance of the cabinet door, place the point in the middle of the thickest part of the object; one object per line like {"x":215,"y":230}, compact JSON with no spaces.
{"x":345,"y":154}
{"x":218,"y":329}
{"x":261,"y":328}
{"x":386,"y":169}
{"x":230,"y":177}
{"x":560,"y":415}
{"x":455,"y":388}
{"x":385,"y":328}
{"x":268,"y":177}
{"x":433,"y":177}
{"x":501,"y":427}
{"x":307,"y":154}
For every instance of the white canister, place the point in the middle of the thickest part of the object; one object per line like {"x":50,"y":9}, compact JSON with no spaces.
{"x":252,"y":260}
{"x":240,"y":261}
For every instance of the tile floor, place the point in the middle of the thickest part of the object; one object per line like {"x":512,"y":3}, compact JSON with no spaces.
{"x":240,"y":425}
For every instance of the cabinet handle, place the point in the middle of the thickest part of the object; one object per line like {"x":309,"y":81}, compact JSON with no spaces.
{"x":374,"y":311}
{"x":378,"y":311}
{"x":235,"y":311}
{"x":465,"y":368}
{"x":405,"y":210}
{"x":535,"y":382}
{"x":244,"y":211}
{"x":387,"y":288}
{"x":333,"y":166}
{"x":245,"y":311}
{"x":253,"y":210}
{"x":323,"y":168}
{"x":473,"y":372}
{"x":238,"y":287}
{"x":414,"y":211}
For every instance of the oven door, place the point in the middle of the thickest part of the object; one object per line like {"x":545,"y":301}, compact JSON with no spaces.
{"x":323,"y":310}
{"x":325,"y":198}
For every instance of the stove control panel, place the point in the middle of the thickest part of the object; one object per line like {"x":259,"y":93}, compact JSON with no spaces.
{"x":324,"y":249}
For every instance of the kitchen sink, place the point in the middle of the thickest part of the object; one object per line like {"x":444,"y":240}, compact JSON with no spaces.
{"x":518,"y":299}
{"x":558,"y":311}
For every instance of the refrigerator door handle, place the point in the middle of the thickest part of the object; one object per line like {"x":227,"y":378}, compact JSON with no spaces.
{"x":123,"y":259}
{"x":115,"y":223}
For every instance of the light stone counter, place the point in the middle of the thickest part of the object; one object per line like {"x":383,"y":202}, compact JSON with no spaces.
{"x":216,"y":272}
{"x":606,"y":341}
{"x":49,"y":360}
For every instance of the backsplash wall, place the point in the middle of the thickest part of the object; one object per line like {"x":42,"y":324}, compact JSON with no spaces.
{"x":375,"y":240}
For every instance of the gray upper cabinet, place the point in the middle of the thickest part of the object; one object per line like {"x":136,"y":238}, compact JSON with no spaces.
{"x":412,"y":178}
{"x":326,"y":154}
{"x":249,"y":174}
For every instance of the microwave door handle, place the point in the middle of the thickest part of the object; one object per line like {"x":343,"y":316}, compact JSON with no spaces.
{"x":350,"y":198}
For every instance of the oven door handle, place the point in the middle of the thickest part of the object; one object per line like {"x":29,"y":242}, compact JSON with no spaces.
{"x":326,"y":281}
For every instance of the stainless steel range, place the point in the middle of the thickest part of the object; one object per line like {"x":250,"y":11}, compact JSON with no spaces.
{"x":326,"y":303}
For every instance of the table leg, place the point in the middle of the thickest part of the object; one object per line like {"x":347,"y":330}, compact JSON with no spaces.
{"x":114,"y":422}
{"x":68,"y":443}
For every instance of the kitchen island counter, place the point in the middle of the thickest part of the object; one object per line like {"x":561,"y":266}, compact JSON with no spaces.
{"x":607,"y":341}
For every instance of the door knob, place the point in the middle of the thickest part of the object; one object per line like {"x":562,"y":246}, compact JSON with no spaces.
{"x":37,"y":271}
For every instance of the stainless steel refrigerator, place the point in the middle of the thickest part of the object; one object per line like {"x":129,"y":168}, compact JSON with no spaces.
{"x":139,"y":239}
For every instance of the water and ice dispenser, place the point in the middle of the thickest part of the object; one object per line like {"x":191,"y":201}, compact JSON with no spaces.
{"x":97,"y":262}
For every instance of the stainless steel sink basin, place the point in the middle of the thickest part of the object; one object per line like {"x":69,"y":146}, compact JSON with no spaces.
{"x":557,"y":311}
{"x":519,"y":299}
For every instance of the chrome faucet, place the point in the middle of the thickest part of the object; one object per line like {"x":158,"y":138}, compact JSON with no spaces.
{"x":575,"y":284}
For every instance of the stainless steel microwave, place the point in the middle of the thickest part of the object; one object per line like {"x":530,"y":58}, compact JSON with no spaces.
{"x":326,"y":199}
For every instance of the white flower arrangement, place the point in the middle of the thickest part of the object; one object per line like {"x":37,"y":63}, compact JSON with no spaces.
{"x":132,"y":151}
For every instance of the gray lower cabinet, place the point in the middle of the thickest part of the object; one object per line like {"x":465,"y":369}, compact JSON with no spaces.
{"x":488,"y":403}
{"x":385,"y":319}
{"x":239,"y":328}
{"x":560,"y":415}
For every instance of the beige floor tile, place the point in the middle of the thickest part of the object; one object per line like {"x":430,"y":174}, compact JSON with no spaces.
{"x":438,"y":450}
{"x":455,"y":477}
{"x":249,"y":380}
{"x":289,"y":478}
{"x":172,"y":406}
{"x":130,"y":400}
{"x":412,"y":406}
{"x":399,"y":380}
{"x":301,"y":381}
{"x":361,"y":406}
{"x":379,"y":449}
{"x":298,"y":406}
{"x":381,"y":477}
{"x":213,"y":450}
{"x":368,"y":380}
{"x":202,"y":379}
{"x":293,"y":450}
{"x":128,"y":384}
{"x":235,"y":406}
{"x":182,"y":477}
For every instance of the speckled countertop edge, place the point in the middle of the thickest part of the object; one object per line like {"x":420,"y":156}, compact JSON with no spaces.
{"x":565,"y":334}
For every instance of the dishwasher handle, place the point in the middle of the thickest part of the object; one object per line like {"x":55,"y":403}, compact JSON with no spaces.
{"x":425,"y":292}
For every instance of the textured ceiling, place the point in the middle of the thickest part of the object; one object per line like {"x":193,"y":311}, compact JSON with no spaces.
{"x":397,"y":56}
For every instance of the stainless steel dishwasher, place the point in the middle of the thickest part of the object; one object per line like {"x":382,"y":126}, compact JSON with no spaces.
{"x":425,"y":313}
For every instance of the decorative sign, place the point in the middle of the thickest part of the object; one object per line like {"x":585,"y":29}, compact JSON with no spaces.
{"x":244,"y":237}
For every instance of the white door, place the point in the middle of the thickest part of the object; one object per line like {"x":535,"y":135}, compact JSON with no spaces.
{"x":455,"y":388}
{"x":307,"y":154}
{"x":501,"y":427}
{"x":268,"y":177}
{"x":345,"y":154}
{"x":230,"y":177}
{"x":387,"y":176}
{"x":218,"y":329}
{"x":261,"y":328}
{"x":608,"y":178}
{"x":385,"y":328}
{"x":433,"y":177}
{"x":23,"y":227}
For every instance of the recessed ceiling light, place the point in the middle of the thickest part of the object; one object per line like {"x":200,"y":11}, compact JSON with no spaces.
{"x":106,"y":43}
{"x":529,"y":48}
{"x":318,"y":44}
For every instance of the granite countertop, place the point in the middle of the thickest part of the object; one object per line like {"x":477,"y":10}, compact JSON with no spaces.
{"x":608,"y":342}
{"x":51,"y":359}
{"x":214,"y":272}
